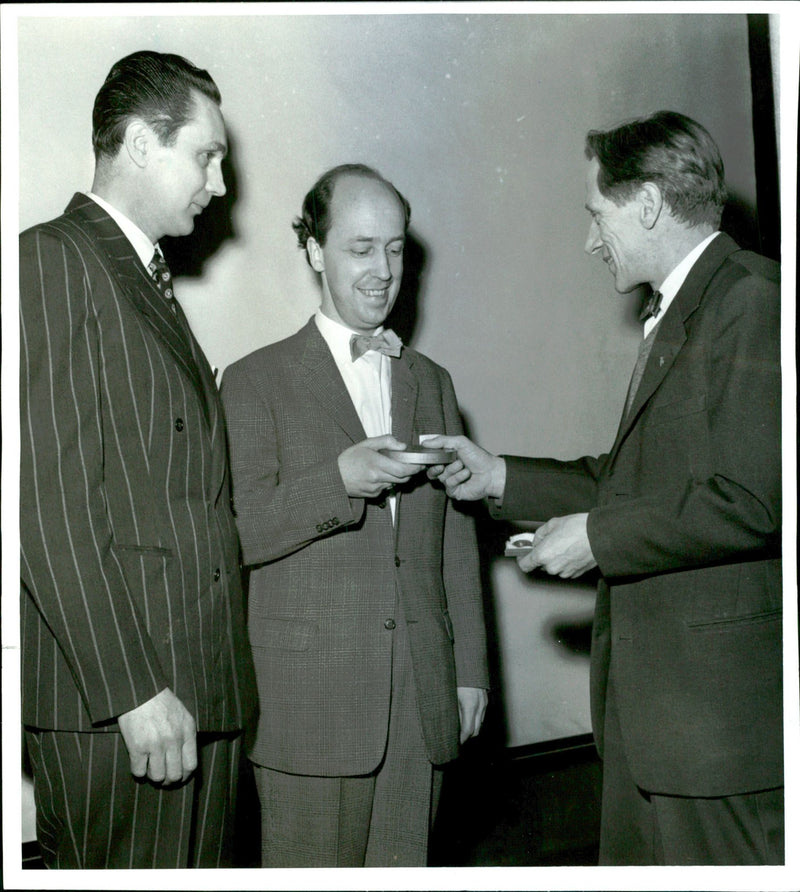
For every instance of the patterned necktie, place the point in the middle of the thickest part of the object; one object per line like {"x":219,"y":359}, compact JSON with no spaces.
{"x":386,"y":342}
{"x":159,"y":270}
{"x":638,"y":370}
{"x":652,"y":307}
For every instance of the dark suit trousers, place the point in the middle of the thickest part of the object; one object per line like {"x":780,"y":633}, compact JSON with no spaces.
{"x":378,"y":820}
{"x":92,"y":813}
{"x":641,"y":828}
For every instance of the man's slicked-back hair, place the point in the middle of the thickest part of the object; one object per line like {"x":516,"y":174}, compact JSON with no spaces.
{"x":670,"y":150}
{"x":315,"y":219}
{"x":159,"y":88}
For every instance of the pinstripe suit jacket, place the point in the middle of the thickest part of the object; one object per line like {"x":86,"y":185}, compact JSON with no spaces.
{"x":130,"y":564}
{"x":328,"y":569}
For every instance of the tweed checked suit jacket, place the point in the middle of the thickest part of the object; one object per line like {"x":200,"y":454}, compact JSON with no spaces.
{"x":685,"y":524}
{"x":328,"y":570}
{"x":130,"y":563}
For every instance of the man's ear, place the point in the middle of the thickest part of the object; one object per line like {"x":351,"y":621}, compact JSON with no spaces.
{"x":651,"y":204}
{"x":315,"y":257}
{"x":138,"y":140}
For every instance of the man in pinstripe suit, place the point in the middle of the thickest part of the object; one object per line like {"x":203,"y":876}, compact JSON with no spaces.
{"x":136,"y":673}
{"x":365,"y":596}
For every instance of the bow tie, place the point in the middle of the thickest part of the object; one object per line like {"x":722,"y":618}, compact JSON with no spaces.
{"x":652,"y":306}
{"x":386,"y":342}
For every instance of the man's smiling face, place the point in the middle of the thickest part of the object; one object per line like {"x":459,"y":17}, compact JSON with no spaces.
{"x":361,"y":262}
{"x":616,"y":231}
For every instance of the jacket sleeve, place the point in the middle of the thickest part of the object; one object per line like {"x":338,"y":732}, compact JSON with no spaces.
{"x":540,"y":488}
{"x":461,"y":572}
{"x":277,"y":512}
{"x":722,"y":497}
{"x":68,"y":565}
{"x":729,"y":505}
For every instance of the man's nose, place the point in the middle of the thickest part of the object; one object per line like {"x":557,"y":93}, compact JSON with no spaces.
{"x":215,"y":182}
{"x":380,"y":267}
{"x":593,"y":240}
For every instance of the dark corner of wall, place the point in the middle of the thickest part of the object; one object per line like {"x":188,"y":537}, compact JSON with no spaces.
{"x":765,"y":136}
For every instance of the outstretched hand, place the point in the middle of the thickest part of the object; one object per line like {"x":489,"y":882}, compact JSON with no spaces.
{"x":366,"y":473}
{"x":474,"y":474}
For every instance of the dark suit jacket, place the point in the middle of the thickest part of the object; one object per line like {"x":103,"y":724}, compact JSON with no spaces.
{"x":685,"y":521}
{"x":328,"y":569}
{"x":130,"y":565}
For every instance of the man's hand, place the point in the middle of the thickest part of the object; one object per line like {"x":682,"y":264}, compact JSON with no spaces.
{"x":366,"y":473}
{"x":161,"y":739}
{"x":471,"y":710}
{"x":475,"y":474}
{"x":561,"y":547}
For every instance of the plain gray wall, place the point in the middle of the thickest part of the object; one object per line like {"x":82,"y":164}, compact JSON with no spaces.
{"x":480,"y":120}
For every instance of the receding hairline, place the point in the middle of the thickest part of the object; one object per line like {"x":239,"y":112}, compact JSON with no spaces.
{"x":366,"y":178}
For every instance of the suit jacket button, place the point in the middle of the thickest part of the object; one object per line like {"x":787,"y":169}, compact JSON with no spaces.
{"x":217,"y":574}
{"x":397,"y":561}
{"x":178,"y":424}
{"x":389,"y":624}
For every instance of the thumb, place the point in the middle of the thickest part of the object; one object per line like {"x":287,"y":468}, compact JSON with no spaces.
{"x":387,"y":441}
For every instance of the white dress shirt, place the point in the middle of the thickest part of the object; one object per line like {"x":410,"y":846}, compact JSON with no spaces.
{"x":368,"y":380}
{"x":672,"y":284}
{"x":141,"y":243}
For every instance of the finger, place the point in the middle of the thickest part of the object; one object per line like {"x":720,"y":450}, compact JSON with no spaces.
{"x":443,"y":441}
{"x":189,"y":754}
{"x":387,"y":441}
{"x":173,"y":759}
{"x":453,"y":475}
{"x":468,"y":728}
{"x":528,"y":562}
{"x":138,"y":764}
{"x":156,"y":766}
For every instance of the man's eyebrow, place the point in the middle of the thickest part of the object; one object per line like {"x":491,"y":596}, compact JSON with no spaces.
{"x":219,"y":147}
{"x":370,"y":239}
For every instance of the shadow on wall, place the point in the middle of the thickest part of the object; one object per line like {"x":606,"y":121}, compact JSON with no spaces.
{"x":187,"y":255}
{"x":408,"y":309}
{"x":740,"y":221}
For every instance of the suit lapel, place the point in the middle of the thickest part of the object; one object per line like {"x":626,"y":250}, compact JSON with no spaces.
{"x":405,"y":388}
{"x":141,"y":291}
{"x":671,"y":334}
{"x":326,"y":383}
{"x":404,"y":398}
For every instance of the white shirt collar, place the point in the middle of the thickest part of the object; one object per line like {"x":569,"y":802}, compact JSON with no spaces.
{"x":141,"y":243}
{"x":672,"y":284}
{"x":337,"y":335}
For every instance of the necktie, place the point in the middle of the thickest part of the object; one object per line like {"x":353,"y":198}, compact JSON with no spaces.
{"x":638,"y":370}
{"x":652,"y":307}
{"x":159,"y":270}
{"x":386,"y":342}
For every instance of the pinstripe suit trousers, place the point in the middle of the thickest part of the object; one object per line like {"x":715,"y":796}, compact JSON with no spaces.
{"x":92,"y":813}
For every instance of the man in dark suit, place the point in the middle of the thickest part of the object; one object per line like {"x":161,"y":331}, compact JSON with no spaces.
{"x":365,"y":608}
{"x":682,"y":517}
{"x":136,"y":673}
